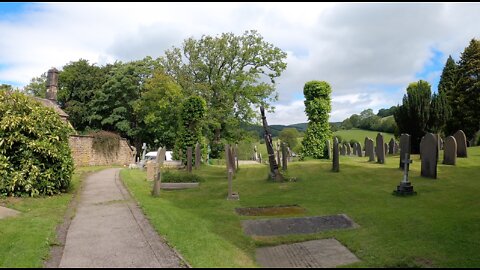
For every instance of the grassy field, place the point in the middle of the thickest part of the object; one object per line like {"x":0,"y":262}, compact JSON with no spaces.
{"x":360,"y":134}
{"x":25,"y":240}
{"x":439,"y":227}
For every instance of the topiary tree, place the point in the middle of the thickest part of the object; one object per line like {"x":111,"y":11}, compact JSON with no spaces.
{"x":192,"y":116}
{"x":317,"y":108}
{"x":35,"y":158}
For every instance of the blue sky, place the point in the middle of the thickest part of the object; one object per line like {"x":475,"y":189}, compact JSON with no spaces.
{"x":367,"y":52}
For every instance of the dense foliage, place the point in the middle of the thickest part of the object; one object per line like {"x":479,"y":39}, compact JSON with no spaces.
{"x":35,"y":158}
{"x":317,"y":108}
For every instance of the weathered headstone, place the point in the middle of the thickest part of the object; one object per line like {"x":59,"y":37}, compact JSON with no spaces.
{"x":151,"y":170}
{"x":335,"y":159}
{"x":380,"y":149}
{"x":198,"y":156}
{"x":461,"y":143}
{"x":386,"y":148}
{"x":343,"y":150}
{"x":349,"y":150}
{"x":391,"y":146}
{"x":428,"y":149}
{"x":231,"y":195}
{"x":158,"y":173}
{"x":354,"y":149}
{"x":405,"y":147}
{"x":329,"y":149}
{"x":189,"y":159}
{"x":274,"y":172}
{"x":284,"y":156}
{"x":359,"y":150}
{"x":450,"y":151}
{"x":369,"y":149}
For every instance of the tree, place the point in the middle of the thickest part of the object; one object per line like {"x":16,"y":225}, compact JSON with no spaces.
{"x":6,"y":87}
{"x":37,"y":86}
{"x":448,"y":79}
{"x":157,"y":110}
{"x":440,"y":112}
{"x":317,"y":108}
{"x":412,"y":116}
{"x":465,"y":99}
{"x":386,"y":112}
{"x":234,"y":74}
{"x":78,"y":82}
{"x":192,"y":118}
{"x":355,"y":120}
{"x":289,"y":136}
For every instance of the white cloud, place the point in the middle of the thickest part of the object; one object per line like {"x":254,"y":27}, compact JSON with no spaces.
{"x":361,"y":49}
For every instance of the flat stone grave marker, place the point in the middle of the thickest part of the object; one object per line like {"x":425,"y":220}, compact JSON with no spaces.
{"x":325,"y":253}
{"x":303,"y":225}
{"x":270,"y":210}
{"x":7,"y":212}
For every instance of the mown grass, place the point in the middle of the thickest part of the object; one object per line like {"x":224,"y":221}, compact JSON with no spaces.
{"x":439,"y":227}
{"x":25,"y":239}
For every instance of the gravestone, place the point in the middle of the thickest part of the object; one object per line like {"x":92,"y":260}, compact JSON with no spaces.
{"x":343,"y":149}
{"x":380,"y":149}
{"x":359,"y":150}
{"x":189,"y":159}
{"x":150,"y":170}
{"x":386,"y":148}
{"x":354,"y":149}
{"x":260,"y":158}
{"x":232,"y":159}
{"x":274,"y":172}
{"x":391,"y":146}
{"x":428,"y":149}
{"x":405,"y":147}
{"x":405,"y":187}
{"x":461,"y":140}
{"x":348,"y":149}
{"x":450,"y":151}
{"x":198,"y":156}
{"x":158,"y":173}
{"x":335,"y":159}
{"x":369,"y":149}
{"x":284,"y":156}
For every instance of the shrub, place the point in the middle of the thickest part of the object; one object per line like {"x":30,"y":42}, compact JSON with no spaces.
{"x":106,"y":142}
{"x":35,"y":158}
{"x":180,"y":177}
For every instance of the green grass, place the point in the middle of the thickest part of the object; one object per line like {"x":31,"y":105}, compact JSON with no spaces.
{"x":360,"y":134}
{"x":439,"y":227}
{"x":25,"y":240}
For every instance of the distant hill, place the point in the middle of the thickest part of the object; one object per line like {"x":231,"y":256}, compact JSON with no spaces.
{"x":276,"y":129}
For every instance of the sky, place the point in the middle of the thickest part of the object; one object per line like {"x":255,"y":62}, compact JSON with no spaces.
{"x":367,"y":52}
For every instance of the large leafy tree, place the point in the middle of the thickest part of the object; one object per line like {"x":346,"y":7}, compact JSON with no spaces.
{"x":317,"y":108}
{"x":289,"y":136}
{"x":78,"y":82}
{"x":232,"y":73}
{"x":465,"y":98}
{"x":37,"y":86}
{"x":157,"y":110}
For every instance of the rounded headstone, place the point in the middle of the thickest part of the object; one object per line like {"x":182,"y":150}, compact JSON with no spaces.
{"x":450,"y":151}
{"x":461,"y":143}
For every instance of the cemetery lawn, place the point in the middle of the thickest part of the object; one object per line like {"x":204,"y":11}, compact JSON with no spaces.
{"x":25,"y":239}
{"x":439,"y":227}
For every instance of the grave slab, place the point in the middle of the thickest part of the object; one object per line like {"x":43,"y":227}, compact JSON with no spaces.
{"x":7,"y":212}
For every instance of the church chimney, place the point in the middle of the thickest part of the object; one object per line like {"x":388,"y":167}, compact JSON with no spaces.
{"x":52,"y":84}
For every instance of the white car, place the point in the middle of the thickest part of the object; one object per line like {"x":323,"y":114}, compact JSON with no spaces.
{"x":153,"y":156}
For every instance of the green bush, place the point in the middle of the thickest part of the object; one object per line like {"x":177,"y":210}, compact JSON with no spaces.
{"x":35,"y":158}
{"x":180,"y":177}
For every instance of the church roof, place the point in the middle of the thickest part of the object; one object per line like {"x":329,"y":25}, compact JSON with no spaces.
{"x":48,"y":103}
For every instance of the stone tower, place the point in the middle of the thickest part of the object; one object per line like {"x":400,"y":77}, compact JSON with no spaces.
{"x":52,"y":84}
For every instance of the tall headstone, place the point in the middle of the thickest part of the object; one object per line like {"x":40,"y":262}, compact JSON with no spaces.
{"x":386,"y":148}
{"x":380,"y":149}
{"x":284,"y":156}
{"x":349,"y":151}
{"x":369,"y":150}
{"x":428,"y":149}
{"x":391,"y":146}
{"x":158,"y":173}
{"x":365,"y":145}
{"x":461,"y":143}
{"x":336,"y":153}
{"x":359,"y":150}
{"x":405,"y":147}
{"x":198,"y":156}
{"x":274,"y":172}
{"x":450,"y":151}
{"x":189,"y":159}
{"x":52,"y":84}
{"x":151,"y":170}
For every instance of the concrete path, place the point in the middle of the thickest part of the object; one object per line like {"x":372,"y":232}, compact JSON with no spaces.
{"x":109,"y":229}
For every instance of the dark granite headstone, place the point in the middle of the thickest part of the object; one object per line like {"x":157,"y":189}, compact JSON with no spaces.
{"x":428,"y":149}
{"x":461,"y":143}
{"x":405,"y":147}
{"x":369,"y":149}
{"x":359,"y":150}
{"x":335,"y":159}
{"x":450,"y":151}
{"x":391,"y":146}
{"x":380,"y":149}
{"x":349,"y":150}
{"x":354,"y":149}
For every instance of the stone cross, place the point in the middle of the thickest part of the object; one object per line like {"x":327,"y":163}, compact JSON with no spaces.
{"x":189,"y":159}
{"x":158,"y":173}
{"x":405,"y":187}
{"x":406,"y":165}
{"x":144,"y":148}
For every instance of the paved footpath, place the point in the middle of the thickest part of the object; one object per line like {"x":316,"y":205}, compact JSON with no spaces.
{"x":109,"y":229}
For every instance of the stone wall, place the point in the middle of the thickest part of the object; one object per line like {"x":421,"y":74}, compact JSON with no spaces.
{"x":84,"y":155}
